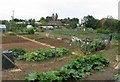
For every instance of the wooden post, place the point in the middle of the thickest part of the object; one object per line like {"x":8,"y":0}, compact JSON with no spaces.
{"x":85,"y":45}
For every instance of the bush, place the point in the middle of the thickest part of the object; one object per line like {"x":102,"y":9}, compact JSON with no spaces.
{"x":116,"y":36}
{"x":43,"y":54}
{"x":78,"y":69}
{"x":95,"y":45}
{"x":104,"y":31}
{"x":18,"y":52}
{"x":117,"y":77}
{"x":30,"y":31}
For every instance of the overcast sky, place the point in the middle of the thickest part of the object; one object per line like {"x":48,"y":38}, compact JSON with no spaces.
{"x":26,"y":9}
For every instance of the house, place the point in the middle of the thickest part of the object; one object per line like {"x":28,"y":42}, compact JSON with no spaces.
{"x":53,"y":22}
{"x":3,"y":28}
{"x":29,"y":26}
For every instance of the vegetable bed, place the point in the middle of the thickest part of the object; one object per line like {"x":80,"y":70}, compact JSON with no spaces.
{"x":78,"y":69}
{"x":43,"y":54}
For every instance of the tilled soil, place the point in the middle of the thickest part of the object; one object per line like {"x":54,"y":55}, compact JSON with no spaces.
{"x":55,"y":42}
{"x":28,"y":67}
{"x":17,"y":42}
{"x":56,"y":63}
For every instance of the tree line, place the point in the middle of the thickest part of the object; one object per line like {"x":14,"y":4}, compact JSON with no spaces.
{"x":87,"y":21}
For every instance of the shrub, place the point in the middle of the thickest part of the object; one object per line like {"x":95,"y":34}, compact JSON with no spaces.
{"x":30,"y":31}
{"x":43,"y":54}
{"x":116,"y":36}
{"x":117,"y":77}
{"x":78,"y":69}
{"x":18,"y":52}
{"x":95,"y":45}
{"x":104,"y":31}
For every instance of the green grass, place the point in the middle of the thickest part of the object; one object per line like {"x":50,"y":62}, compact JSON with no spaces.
{"x":72,"y":32}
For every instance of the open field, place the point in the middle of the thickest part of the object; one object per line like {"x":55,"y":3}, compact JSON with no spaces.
{"x":54,"y":63}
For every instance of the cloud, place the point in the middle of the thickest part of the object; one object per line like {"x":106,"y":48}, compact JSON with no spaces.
{"x":26,"y":9}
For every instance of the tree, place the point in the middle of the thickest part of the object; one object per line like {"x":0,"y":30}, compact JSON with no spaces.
{"x":43,"y":22}
{"x":53,"y":16}
{"x":42,"y":18}
{"x":65,"y":21}
{"x":90,"y":22}
{"x":73,"y":22}
{"x":18,"y":20}
{"x":118,"y":27}
{"x":56,"y":17}
{"x":73,"y":25}
{"x":111,"y":24}
{"x":48,"y":18}
{"x":32,"y":22}
{"x":76,"y":20}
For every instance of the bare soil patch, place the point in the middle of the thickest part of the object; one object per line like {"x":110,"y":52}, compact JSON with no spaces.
{"x":28,"y":67}
{"x":17,"y":42}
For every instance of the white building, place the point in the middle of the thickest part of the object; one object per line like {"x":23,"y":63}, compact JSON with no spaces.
{"x":29,"y":26}
{"x":2,"y":28}
{"x":47,"y":27}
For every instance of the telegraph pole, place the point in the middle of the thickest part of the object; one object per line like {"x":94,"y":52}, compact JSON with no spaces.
{"x":13,"y":16}
{"x":12,"y":21}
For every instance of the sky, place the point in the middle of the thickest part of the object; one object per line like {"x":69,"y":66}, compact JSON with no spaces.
{"x":26,"y":9}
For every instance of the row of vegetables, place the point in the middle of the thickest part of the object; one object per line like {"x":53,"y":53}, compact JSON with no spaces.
{"x":78,"y":69}
{"x":39,"y":55}
{"x":95,"y":45}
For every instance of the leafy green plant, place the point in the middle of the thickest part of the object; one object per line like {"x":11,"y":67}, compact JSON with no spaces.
{"x":104,"y":31}
{"x":43,"y":54}
{"x":30,"y":31}
{"x":18,"y":52}
{"x":78,"y":69}
{"x":117,"y":77}
{"x":95,"y":45}
{"x":50,"y":76}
